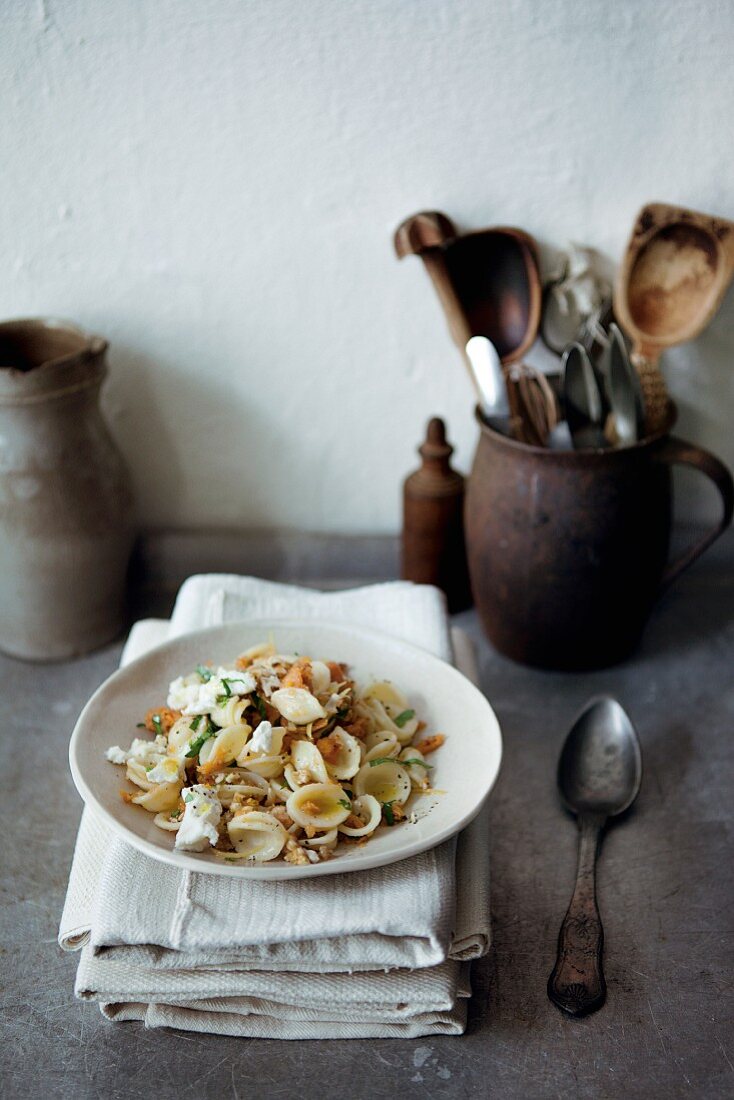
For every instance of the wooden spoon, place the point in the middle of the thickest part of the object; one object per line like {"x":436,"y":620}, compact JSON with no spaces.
{"x":488,"y":282}
{"x":675,"y":272}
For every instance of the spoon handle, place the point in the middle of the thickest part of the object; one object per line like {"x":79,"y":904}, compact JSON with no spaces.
{"x":577,"y":983}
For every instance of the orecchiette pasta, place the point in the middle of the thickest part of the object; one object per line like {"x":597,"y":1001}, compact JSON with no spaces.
{"x":277,"y":756}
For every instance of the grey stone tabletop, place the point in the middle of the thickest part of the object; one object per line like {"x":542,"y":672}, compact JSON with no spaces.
{"x":665,"y":885}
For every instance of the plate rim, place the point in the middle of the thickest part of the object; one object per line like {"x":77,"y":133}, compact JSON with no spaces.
{"x":185,"y":861}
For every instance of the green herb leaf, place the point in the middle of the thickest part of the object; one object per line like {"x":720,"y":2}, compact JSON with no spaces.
{"x":149,"y":767}
{"x":140,"y":725}
{"x":420,"y":763}
{"x":205,"y":673}
{"x":388,"y":814}
{"x":175,"y":814}
{"x":188,"y":798}
{"x":157,"y":726}
{"x":343,"y":802}
{"x":195,"y":746}
{"x":227,"y":689}
{"x":260,"y":704}
{"x":196,"y":722}
{"x":404,"y":717}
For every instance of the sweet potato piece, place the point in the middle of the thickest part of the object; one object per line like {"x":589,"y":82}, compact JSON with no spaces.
{"x":430,"y":744}
{"x":166,"y":717}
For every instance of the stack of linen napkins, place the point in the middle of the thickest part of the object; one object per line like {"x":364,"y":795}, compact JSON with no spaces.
{"x":382,"y":953}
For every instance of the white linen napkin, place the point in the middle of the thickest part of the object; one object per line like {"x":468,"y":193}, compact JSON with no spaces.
{"x":167,"y":946}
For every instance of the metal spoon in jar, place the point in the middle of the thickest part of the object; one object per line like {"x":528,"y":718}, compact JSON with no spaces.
{"x":625,"y":392}
{"x":599,"y":774}
{"x":489,"y":380}
{"x":582,"y":398}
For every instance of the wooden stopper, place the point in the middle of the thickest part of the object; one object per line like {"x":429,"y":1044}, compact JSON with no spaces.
{"x":433,"y":548}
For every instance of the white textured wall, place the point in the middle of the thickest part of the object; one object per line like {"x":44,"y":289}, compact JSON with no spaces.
{"x":213,"y":184}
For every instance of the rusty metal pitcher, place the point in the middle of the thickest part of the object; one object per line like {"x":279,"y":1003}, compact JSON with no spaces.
{"x":568,"y":549}
{"x":65,"y":496}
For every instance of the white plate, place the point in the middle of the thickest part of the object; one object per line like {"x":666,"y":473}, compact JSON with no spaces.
{"x":465,"y":767}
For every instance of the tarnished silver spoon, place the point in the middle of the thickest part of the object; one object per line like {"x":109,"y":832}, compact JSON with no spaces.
{"x":599,"y":775}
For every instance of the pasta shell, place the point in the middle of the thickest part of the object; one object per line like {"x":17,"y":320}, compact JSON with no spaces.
{"x":320,"y":677}
{"x":389,"y":747}
{"x":279,"y":793}
{"x":379,"y":737}
{"x":163,"y":797}
{"x":418,"y":774}
{"x":324,"y":840}
{"x":179,"y":736}
{"x":386,"y":692}
{"x":386,"y":703}
{"x":322,"y":805}
{"x":241,"y":782}
{"x":256,"y":652}
{"x":137,"y":774}
{"x":221,"y":750}
{"x":164,"y":821}
{"x":231,"y":713}
{"x":368,"y":810}
{"x":289,"y":774}
{"x":349,"y":758}
{"x":386,"y":782}
{"x":256,"y":835}
{"x":297,"y":705}
{"x":267,"y":766}
{"x":307,"y":758}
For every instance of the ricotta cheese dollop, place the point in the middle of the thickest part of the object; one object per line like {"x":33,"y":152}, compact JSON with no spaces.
{"x":145,"y":752}
{"x":191,"y":695}
{"x":202,"y":811}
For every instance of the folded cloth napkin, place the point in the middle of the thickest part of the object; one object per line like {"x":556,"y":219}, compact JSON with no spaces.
{"x":200,"y":952}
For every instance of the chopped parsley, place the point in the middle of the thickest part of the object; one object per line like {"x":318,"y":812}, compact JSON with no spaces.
{"x":196,"y":722}
{"x":420,"y":763}
{"x":157,"y":724}
{"x":387,"y":812}
{"x":385,"y":760}
{"x":175,"y":814}
{"x":404,"y":717}
{"x":140,"y":726}
{"x":188,"y":798}
{"x":221,"y":699}
{"x":260,"y":704}
{"x":343,"y":802}
{"x":205,"y":673}
{"x":195,"y":747}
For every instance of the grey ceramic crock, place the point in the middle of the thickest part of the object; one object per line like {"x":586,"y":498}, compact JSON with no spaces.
{"x":65,"y":498}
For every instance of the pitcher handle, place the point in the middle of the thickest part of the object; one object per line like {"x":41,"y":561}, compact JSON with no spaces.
{"x":675,"y":452}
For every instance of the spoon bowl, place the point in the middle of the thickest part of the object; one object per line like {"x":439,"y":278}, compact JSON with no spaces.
{"x":600,"y":768}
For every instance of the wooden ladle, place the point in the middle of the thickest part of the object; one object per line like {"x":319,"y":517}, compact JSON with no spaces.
{"x":673,"y":277}
{"x":488,"y":282}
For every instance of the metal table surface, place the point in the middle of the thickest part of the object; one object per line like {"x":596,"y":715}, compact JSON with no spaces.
{"x":665,"y":882}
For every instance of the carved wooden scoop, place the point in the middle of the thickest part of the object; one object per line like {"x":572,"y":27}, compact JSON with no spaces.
{"x":675,"y":271}
{"x":488,"y":282}
{"x":599,"y":775}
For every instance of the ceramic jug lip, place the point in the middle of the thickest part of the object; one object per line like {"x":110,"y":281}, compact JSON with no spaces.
{"x":53,"y":357}
{"x":583,"y":454}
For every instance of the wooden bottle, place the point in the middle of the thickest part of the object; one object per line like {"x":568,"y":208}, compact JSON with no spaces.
{"x":433,"y":549}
